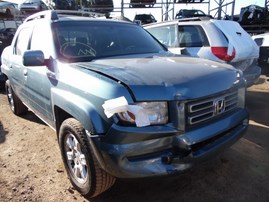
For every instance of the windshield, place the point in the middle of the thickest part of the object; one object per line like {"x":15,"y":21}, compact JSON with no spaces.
{"x":89,"y":40}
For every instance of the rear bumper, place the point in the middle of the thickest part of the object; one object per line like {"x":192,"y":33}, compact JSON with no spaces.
{"x":252,"y":75}
{"x":170,"y":151}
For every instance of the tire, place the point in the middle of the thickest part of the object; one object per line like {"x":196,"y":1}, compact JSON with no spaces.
{"x":15,"y":104}
{"x":80,"y":163}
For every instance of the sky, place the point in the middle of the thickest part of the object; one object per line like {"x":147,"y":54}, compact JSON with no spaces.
{"x":157,"y":12}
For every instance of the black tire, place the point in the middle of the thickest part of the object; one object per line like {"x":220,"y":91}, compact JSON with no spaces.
{"x":88,"y":178}
{"x":15,"y":104}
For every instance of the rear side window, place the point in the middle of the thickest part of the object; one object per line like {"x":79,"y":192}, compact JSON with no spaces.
{"x":165,"y":34}
{"x":192,"y":36}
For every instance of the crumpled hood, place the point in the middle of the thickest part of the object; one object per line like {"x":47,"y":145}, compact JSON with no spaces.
{"x":167,"y":78}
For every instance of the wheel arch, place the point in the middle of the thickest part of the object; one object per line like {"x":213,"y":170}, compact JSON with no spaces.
{"x":67,"y":105}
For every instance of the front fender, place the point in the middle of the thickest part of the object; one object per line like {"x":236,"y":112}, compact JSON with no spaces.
{"x":89,"y":115}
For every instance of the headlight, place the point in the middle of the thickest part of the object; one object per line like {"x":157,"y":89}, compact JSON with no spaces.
{"x":156,"y":113}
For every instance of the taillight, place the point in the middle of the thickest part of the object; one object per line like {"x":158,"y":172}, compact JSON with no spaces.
{"x":221,"y":53}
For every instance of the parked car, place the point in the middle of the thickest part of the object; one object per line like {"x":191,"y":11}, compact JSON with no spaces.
{"x":6,"y":36}
{"x":99,"y":6}
{"x":189,"y":13}
{"x":8,"y":9}
{"x":141,"y":3}
{"x":64,"y":4}
{"x":144,"y":18}
{"x":29,"y":7}
{"x":254,"y":15}
{"x":262,"y":41}
{"x":2,"y":76}
{"x":219,"y":40}
{"x":122,"y":105}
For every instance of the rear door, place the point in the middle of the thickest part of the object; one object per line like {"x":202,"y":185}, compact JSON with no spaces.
{"x":41,"y":78}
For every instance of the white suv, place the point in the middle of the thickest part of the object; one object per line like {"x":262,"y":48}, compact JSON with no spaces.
{"x":218,"y":40}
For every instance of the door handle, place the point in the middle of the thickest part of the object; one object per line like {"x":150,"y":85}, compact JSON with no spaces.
{"x":25,"y":73}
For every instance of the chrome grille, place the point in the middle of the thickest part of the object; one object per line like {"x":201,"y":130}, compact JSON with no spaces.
{"x":203,"y":110}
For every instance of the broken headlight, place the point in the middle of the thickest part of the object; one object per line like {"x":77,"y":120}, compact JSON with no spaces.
{"x":153,"y":113}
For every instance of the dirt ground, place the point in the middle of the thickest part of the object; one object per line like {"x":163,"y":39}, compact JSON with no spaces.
{"x":31,"y":168}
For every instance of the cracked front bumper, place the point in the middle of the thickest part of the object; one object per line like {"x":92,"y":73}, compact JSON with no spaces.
{"x":159,"y":151}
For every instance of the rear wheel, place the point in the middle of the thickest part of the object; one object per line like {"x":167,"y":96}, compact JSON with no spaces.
{"x":81,"y":165}
{"x":15,"y":104}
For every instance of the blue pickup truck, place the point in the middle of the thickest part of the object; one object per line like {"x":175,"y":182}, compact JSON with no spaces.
{"x":122,"y":106}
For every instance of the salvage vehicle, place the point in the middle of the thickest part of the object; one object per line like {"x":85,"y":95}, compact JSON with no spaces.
{"x":219,"y":40}
{"x":141,"y":3}
{"x":190,"y":13}
{"x":254,"y":15}
{"x":28,"y":7}
{"x":8,"y":9}
{"x":122,"y":105}
{"x":144,"y":19}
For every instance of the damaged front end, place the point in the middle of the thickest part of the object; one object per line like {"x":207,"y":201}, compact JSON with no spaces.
{"x":195,"y":131}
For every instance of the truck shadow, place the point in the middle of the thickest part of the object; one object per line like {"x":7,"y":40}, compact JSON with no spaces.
{"x":30,"y":116}
{"x":2,"y":90}
{"x":3,"y":133}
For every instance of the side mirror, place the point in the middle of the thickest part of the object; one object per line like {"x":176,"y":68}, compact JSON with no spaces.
{"x":33,"y":58}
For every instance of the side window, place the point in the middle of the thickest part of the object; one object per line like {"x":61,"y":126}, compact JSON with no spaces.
{"x":22,"y":42}
{"x":42,"y":39}
{"x":192,"y":36}
{"x":166,"y":35}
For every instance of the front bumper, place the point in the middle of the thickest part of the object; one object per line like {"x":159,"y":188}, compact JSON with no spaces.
{"x":129,"y":152}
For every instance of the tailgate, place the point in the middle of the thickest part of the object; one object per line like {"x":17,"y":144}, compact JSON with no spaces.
{"x":238,"y":38}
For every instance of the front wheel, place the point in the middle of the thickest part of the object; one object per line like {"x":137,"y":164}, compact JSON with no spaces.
{"x":81,"y":165}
